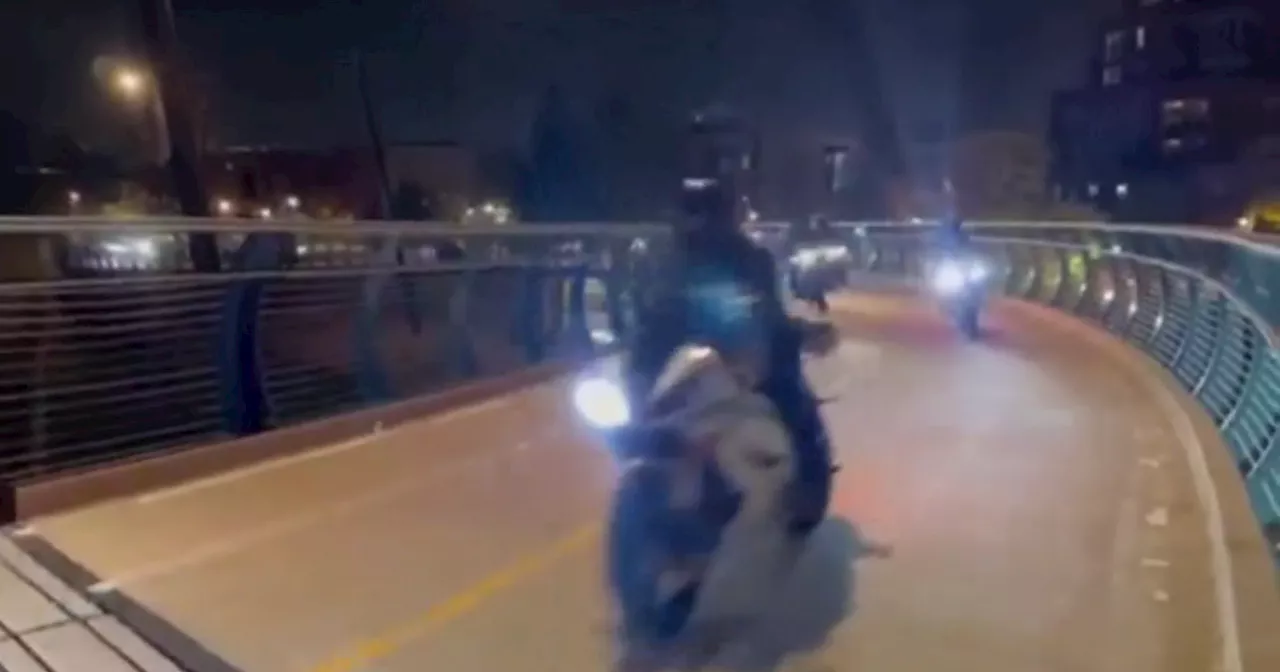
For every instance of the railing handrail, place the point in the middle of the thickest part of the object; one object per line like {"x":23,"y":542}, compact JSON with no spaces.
{"x":1259,"y":322}
{"x":169,"y":225}
{"x":1268,"y":244}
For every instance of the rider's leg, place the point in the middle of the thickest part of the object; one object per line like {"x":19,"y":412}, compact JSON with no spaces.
{"x":798,"y":408}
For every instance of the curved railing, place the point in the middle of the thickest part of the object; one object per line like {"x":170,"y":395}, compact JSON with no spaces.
{"x":112,"y":347}
{"x":1198,"y":301}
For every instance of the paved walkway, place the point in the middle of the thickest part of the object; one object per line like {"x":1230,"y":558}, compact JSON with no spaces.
{"x":46,"y":626}
{"x":1016,"y":505}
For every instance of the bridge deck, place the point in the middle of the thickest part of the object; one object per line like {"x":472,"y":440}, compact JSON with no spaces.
{"x":1028,"y":498}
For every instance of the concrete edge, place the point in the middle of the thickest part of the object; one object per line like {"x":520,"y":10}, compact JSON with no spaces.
{"x":182,"y":650}
{"x":43,"y":496}
{"x":1248,"y":595}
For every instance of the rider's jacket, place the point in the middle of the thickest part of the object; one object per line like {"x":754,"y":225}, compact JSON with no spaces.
{"x":695,"y":305}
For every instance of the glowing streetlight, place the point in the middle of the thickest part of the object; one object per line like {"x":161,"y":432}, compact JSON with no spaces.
{"x":292,"y":202}
{"x":224,"y":206}
{"x":264,"y":213}
{"x":130,"y":81}
{"x":74,"y":197}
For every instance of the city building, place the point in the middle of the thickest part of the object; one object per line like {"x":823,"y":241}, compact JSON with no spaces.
{"x":1180,"y":118}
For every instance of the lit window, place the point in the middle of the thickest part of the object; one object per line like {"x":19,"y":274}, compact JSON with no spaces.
{"x":1140,"y":38}
{"x":1183,"y":111}
{"x":1093,"y":190}
{"x":1113,"y":46}
{"x":836,"y":160}
{"x":1172,"y":145}
{"x":1111,"y":75}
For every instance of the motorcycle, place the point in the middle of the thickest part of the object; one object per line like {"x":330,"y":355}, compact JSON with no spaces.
{"x":816,"y":270}
{"x":708,"y":474}
{"x":960,"y":283}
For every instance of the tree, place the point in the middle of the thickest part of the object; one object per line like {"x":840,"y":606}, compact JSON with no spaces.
{"x":1259,"y":178}
{"x":15,"y":142}
{"x":999,"y":175}
{"x":410,"y":202}
{"x":18,"y":183}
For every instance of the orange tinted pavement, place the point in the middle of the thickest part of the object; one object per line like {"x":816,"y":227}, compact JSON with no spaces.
{"x":1035,"y":509}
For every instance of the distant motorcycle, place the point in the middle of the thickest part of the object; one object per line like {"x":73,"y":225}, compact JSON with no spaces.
{"x":959,"y":281}
{"x":816,"y":270}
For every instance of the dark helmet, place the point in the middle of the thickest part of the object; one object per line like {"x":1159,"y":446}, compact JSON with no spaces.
{"x":709,"y":193}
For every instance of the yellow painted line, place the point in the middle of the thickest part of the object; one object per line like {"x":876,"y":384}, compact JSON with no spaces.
{"x":460,"y":604}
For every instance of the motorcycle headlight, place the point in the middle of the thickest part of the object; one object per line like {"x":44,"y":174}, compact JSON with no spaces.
{"x":602,"y":403}
{"x":949,"y":278}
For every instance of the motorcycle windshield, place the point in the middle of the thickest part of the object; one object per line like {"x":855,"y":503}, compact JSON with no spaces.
{"x":687,"y":380}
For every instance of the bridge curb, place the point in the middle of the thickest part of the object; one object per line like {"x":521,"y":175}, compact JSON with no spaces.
{"x":43,"y":496}
{"x":185,"y":652}
{"x":1252,"y":606}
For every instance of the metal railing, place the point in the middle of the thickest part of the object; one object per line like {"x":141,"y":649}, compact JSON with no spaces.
{"x":111,"y":346}
{"x":1198,"y":301}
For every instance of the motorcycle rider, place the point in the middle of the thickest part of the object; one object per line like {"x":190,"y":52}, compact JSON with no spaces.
{"x":810,"y":284}
{"x":951,"y":236}
{"x":712,"y":250}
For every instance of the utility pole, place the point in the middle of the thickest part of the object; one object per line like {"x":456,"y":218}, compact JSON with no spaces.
{"x":162,"y":51}
{"x":375,"y":133}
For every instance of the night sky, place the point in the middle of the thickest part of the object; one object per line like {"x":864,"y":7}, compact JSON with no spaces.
{"x":471,"y":70}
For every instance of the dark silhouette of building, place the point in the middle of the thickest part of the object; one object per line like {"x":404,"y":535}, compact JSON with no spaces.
{"x":1181,"y":95}
{"x":252,"y":181}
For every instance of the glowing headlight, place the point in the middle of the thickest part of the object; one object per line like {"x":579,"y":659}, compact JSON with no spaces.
{"x":949,"y":278}
{"x":602,"y":403}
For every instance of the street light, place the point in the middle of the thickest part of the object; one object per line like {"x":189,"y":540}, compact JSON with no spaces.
{"x":130,"y":81}
{"x":126,"y":77}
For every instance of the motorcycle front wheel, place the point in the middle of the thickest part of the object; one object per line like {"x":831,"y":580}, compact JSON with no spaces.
{"x":635,"y":561}
{"x":968,"y":323}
